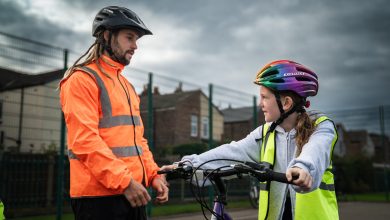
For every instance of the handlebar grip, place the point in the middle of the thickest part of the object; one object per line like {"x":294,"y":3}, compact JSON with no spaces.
{"x":280,"y":177}
{"x":163,"y":171}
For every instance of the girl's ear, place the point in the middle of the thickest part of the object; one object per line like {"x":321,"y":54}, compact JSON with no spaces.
{"x":287,"y":103}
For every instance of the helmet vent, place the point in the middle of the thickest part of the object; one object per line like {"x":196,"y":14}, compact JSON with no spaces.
{"x":277,"y":81}
{"x":128,"y":15}
{"x":270,"y":73}
{"x":105,"y":14}
{"x":99,"y":19}
{"x":302,"y":79}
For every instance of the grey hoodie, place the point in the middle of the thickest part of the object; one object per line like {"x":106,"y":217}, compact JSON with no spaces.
{"x":314,"y":158}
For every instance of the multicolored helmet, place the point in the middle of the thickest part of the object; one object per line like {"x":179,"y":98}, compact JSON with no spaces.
{"x":287,"y":75}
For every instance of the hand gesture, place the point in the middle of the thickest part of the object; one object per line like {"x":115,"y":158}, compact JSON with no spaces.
{"x":136,"y":194}
{"x":159,"y":184}
{"x":304,"y":179}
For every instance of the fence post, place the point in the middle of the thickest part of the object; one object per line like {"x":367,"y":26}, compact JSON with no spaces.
{"x":150,"y":131}
{"x":60,"y":177}
{"x":210,"y":191}
{"x":150,"y":113}
{"x":19,"y":140}
{"x":385,"y":149}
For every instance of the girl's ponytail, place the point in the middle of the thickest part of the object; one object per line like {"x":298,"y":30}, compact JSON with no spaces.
{"x":305,"y":127}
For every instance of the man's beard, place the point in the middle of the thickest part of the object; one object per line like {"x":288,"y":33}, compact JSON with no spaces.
{"x":119,"y":55}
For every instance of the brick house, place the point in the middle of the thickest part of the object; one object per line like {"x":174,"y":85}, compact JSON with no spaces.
{"x":381,"y":144}
{"x":180,"y":118}
{"x":359,"y":142}
{"x":340,"y":147}
{"x":238,"y":122}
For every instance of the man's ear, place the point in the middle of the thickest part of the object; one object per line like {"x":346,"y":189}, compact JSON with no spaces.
{"x":287,"y":103}
{"x":106,"y":34}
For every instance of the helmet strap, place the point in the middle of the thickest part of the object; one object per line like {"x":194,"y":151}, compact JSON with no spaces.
{"x":283,"y":115}
{"x":279,"y":102}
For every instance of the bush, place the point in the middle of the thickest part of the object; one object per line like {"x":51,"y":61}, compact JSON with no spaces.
{"x":353,"y":175}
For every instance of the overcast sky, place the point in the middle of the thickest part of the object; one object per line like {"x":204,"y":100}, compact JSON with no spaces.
{"x":227,"y":41}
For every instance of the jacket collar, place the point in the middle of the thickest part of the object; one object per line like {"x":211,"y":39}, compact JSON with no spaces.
{"x":109,"y":64}
{"x":281,"y":130}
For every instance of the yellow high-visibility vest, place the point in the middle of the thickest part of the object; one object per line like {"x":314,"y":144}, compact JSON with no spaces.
{"x":1,"y":211}
{"x":318,"y":204}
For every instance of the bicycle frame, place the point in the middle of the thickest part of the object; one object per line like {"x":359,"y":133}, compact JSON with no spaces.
{"x":220,"y":201}
{"x":260,"y":171}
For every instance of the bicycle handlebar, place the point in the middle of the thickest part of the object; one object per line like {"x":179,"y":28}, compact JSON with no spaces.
{"x":258,"y":170}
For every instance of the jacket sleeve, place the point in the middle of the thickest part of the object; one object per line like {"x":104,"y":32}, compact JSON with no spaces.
{"x":149,"y":163}
{"x":246,"y":149}
{"x":80,"y":105}
{"x":315,"y":155}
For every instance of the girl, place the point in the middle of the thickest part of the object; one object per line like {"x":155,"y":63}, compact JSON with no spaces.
{"x":291,"y":141}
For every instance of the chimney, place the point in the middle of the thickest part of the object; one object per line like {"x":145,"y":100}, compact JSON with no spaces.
{"x":155,"y":91}
{"x":144,"y":91}
{"x":179,"y":88}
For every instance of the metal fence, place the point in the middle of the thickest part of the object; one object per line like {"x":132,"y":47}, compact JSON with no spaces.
{"x":34,"y":171}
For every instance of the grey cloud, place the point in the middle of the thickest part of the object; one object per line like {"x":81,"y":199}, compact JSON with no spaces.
{"x":346,"y":42}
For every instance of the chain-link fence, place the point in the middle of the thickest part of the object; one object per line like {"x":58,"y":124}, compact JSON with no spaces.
{"x":180,"y":118}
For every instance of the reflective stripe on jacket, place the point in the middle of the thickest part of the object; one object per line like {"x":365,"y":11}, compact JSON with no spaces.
{"x":106,"y":147}
{"x":318,"y":204}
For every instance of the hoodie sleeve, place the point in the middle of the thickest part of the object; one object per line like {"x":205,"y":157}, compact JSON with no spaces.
{"x":315,"y":155}
{"x":246,"y":149}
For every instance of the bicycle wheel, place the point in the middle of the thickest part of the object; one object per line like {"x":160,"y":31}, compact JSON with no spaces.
{"x":254,"y":196}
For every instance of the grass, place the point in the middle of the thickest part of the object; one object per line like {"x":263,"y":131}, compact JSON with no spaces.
{"x":192,"y":207}
{"x":366,"y":197}
{"x":163,"y":210}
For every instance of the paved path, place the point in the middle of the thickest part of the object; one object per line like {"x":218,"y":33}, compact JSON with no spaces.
{"x":347,"y":210}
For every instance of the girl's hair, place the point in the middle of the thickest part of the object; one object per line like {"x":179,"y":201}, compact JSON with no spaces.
{"x":305,"y":125}
{"x":94,"y":52}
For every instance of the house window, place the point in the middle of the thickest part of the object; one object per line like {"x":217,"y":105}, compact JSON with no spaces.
{"x":194,"y":126}
{"x":205,"y":127}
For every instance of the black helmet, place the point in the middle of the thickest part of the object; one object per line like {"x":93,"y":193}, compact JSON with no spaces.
{"x":115,"y":17}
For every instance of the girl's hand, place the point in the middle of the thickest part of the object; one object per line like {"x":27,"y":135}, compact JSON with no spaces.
{"x":168,"y":167}
{"x":304,"y":179}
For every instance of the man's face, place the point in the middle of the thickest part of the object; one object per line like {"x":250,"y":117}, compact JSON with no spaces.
{"x":124,"y":44}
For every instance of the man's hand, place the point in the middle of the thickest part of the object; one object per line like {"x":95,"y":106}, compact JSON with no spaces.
{"x":159,"y":184}
{"x":136,"y":194}
{"x":304,"y":178}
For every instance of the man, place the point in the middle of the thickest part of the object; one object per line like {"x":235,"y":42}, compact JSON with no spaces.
{"x":110,"y":162}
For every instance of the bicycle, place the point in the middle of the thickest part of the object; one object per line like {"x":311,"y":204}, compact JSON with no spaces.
{"x":254,"y":192}
{"x":185,"y":171}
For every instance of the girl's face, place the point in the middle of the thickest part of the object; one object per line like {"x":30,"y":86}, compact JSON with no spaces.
{"x":268,"y":104}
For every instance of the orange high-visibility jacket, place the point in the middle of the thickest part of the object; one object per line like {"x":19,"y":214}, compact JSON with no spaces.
{"x":106,"y":147}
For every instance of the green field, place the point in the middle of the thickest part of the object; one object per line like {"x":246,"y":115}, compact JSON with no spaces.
{"x":366,"y":197}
